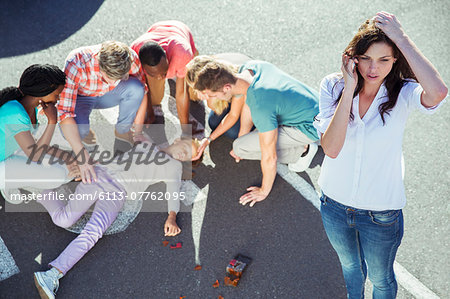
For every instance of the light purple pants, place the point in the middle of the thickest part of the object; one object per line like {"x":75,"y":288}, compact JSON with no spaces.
{"x":66,"y":214}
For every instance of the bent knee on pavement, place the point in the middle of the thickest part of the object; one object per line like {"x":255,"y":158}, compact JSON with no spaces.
{"x":135,"y":88}
{"x":83,"y":130}
{"x":240,"y":146}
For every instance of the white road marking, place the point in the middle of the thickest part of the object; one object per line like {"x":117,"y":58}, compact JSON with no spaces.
{"x":38,"y":259}
{"x":8,"y":266}
{"x":299,"y":184}
{"x":412,"y":284}
{"x":197,"y":216}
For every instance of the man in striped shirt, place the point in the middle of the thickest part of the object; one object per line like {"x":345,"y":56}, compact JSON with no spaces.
{"x":99,"y":77}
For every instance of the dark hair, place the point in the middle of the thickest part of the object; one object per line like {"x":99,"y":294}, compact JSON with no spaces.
{"x":37,"y":80}
{"x":151,"y":53}
{"x":367,"y":35}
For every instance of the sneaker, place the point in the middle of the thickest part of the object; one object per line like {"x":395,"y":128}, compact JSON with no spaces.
{"x":13,"y":196}
{"x":305,"y":159}
{"x":31,"y":193}
{"x":90,"y":141}
{"x":126,"y":137}
{"x":47,"y":283}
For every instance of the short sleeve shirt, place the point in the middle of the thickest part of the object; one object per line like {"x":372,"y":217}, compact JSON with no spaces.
{"x":13,"y":120}
{"x":176,"y":39}
{"x":367,"y":173}
{"x":277,"y":99}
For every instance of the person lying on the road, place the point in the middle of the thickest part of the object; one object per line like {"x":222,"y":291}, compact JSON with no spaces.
{"x":115,"y":183}
{"x":281,"y":108}
{"x":183,"y":149}
{"x":363,"y":113}
{"x":224,"y":116}
{"x":20,"y":154}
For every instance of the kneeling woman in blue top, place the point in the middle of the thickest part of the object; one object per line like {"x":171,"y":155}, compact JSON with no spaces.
{"x":40,"y":85}
{"x":363,"y":113}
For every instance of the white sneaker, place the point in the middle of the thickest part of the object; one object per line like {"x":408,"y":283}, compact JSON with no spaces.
{"x":303,"y":162}
{"x":47,"y":283}
{"x":13,"y":196}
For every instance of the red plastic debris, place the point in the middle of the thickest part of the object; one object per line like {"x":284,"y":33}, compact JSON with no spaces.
{"x":220,"y":297}
{"x":178,"y":245}
{"x":216,"y":284}
{"x":165,"y":243}
{"x":198,"y":267}
{"x":182,"y":297}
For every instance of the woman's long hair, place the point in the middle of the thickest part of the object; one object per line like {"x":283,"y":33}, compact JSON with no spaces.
{"x":367,"y":35}
{"x":37,"y":80}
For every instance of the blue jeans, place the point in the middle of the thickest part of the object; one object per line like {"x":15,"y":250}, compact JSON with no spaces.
{"x":127,"y":94}
{"x":214,"y":121}
{"x":364,"y":239}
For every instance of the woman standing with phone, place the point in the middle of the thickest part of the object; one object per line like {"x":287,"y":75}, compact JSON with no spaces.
{"x":363,"y":114}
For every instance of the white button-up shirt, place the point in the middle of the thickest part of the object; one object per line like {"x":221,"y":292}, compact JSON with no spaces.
{"x":367,"y":173}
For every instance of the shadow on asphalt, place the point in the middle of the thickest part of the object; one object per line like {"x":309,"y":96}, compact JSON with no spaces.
{"x":43,"y":24}
{"x":283,"y":235}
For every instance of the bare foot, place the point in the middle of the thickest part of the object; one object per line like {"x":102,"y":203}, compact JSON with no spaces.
{"x":170,"y":227}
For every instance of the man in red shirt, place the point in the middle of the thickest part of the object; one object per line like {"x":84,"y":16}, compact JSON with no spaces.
{"x":99,"y":77}
{"x":164,"y":51}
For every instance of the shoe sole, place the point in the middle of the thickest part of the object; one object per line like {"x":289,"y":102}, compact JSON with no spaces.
{"x":42,"y":292}
{"x":125,"y":140}
{"x":7,"y":198}
{"x":311,"y":154}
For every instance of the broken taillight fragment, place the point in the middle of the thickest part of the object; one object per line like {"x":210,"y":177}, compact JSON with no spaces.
{"x":178,"y":245}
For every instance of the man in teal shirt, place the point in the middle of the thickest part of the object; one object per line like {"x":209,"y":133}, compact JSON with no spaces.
{"x":280,"y":107}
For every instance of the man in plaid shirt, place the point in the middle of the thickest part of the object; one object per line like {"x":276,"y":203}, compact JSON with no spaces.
{"x":99,"y":77}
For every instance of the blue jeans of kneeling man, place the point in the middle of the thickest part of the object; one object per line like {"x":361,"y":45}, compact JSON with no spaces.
{"x":214,"y":121}
{"x":366,"y":242}
{"x":127,"y":94}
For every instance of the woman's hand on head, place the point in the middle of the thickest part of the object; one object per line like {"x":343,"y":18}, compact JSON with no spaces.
{"x":50,"y":112}
{"x":348,"y":69}
{"x":390,"y":25}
